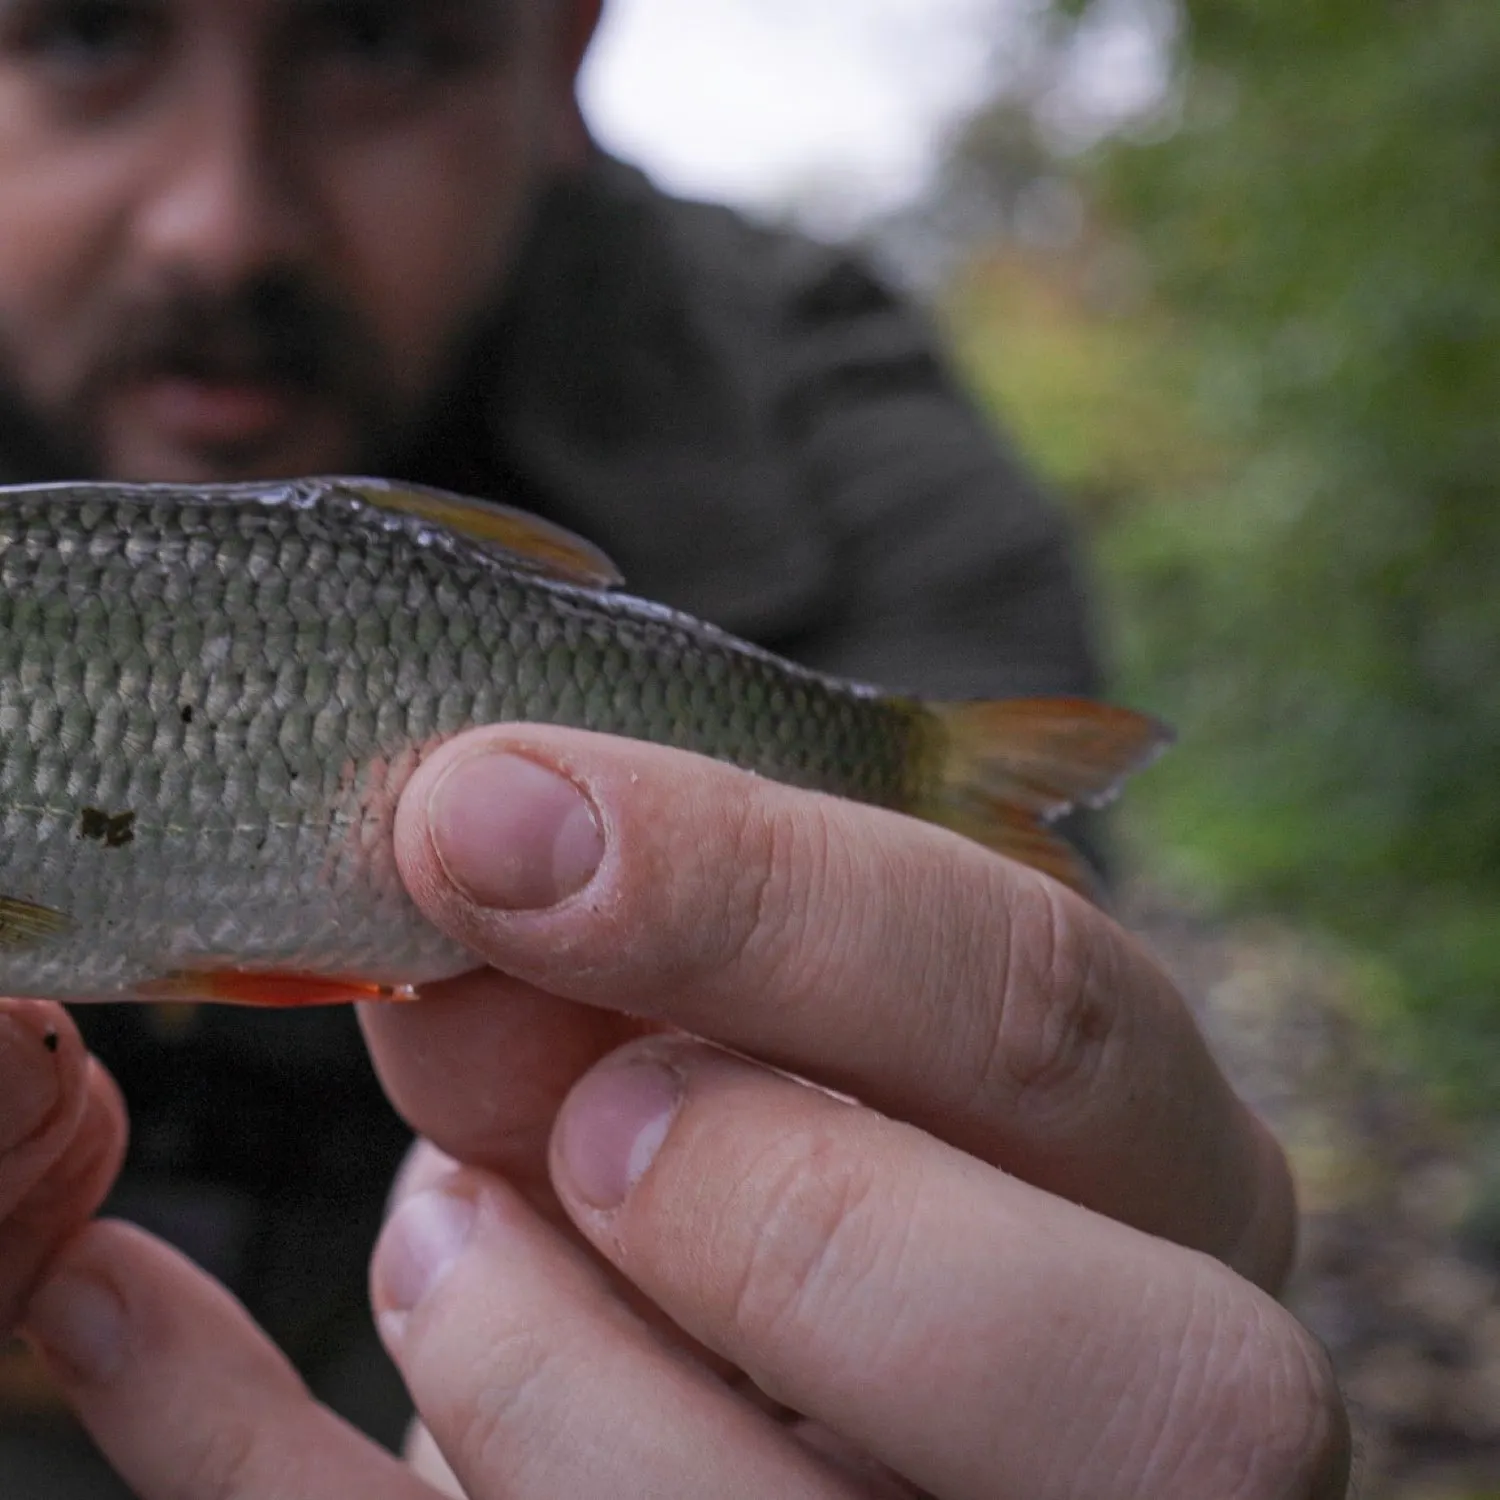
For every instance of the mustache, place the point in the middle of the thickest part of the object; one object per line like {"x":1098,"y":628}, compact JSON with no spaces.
{"x":277,"y":328}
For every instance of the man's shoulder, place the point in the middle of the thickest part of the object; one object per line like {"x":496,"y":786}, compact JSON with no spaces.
{"x":647,"y":365}
{"x":763,"y":433}
{"x":725,"y":257}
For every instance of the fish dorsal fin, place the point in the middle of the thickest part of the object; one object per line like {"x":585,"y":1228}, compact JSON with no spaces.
{"x":520,"y":538}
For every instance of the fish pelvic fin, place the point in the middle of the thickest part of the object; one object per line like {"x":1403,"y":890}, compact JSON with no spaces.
{"x":1008,"y":769}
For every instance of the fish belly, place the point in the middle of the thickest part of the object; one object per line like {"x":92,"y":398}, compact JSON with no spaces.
{"x":319,"y":896}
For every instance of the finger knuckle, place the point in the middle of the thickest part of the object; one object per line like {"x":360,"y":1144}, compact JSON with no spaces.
{"x":513,"y":1372}
{"x":1043,"y":1038}
{"x":814,"y":1247}
{"x":229,"y":1464}
{"x":516,"y":1414}
{"x":779,"y":857}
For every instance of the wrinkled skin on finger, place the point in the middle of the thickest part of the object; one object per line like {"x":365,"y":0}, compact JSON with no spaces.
{"x":845,"y":944}
{"x":947,"y":1329}
{"x":978,"y":1336}
{"x":876,"y":955}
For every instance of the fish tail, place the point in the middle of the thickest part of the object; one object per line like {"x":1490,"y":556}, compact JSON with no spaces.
{"x":1004,"y":771}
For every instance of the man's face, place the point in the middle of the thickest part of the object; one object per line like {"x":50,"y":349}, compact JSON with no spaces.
{"x":247,"y":238}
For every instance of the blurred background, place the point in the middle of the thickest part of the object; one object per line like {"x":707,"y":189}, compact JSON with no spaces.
{"x":1229,"y":271}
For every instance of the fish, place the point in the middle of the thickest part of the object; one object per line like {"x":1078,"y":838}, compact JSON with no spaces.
{"x":212,"y":696}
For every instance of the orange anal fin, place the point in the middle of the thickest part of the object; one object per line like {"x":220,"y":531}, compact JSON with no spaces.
{"x":269,"y":989}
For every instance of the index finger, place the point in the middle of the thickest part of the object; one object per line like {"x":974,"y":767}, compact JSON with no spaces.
{"x":883,"y":957}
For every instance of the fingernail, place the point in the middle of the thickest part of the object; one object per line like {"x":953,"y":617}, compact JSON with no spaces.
{"x":511,"y":834}
{"x":612,"y":1126}
{"x":418,"y":1247}
{"x":31,"y":1089}
{"x":79,"y":1323}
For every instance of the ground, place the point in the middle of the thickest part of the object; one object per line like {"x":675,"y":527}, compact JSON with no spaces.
{"x":1399,"y":1271}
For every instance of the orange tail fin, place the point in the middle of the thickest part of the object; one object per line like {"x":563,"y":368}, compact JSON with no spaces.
{"x":1012,"y":767}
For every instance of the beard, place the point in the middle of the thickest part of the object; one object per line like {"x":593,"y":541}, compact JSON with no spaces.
{"x":277,"y":330}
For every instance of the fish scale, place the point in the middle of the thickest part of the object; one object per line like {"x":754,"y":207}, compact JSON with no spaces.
{"x":248,"y":676}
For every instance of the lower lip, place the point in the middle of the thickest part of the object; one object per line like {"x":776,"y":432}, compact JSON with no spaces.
{"x":217,"y":413}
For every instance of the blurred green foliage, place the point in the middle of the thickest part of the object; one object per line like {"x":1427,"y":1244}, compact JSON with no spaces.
{"x":1268,"y":369}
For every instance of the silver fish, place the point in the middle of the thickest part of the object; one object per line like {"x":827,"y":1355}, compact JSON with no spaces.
{"x":212,"y":697}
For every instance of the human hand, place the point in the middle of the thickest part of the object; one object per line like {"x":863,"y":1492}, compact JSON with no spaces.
{"x":869,"y":1306}
{"x":62,"y":1138}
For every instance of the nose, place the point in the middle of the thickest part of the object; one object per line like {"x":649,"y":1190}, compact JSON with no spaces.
{"x":226,"y":205}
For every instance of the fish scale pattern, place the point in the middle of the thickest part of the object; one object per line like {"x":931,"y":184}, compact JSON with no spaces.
{"x":209,"y":705}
